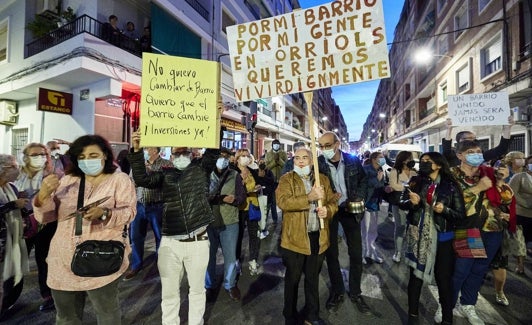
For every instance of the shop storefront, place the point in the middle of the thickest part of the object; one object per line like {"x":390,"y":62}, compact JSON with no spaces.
{"x":235,"y":136}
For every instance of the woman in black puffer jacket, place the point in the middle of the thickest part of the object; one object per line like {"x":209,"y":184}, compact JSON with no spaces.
{"x":435,"y":203}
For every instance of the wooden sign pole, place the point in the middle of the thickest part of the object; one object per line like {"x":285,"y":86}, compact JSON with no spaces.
{"x":308,"y":98}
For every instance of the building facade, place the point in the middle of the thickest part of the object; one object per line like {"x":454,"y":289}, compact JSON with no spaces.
{"x":65,"y":47}
{"x":477,"y":46}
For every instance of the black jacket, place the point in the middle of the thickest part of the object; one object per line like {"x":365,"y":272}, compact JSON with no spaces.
{"x":185,"y":193}
{"x":355,"y":177}
{"x":447,"y":192}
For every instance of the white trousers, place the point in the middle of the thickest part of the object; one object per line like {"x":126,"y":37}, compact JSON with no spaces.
{"x":174,"y":259}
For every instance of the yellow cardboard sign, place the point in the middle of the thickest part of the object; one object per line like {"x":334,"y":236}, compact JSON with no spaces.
{"x":179,"y":102}
{"x":338,"y":43}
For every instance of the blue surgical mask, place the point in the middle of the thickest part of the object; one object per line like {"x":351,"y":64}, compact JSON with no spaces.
{"x":222,"y":163}
{"x":382,"y":161}
{"x":91,"y":167}
{"x":328,"y":153}
{"x":146,"y":155}
{"x":530,"y":167}
{"x":276,"y":146}
{"x":474,"y":159}
{"x":302,"y":171}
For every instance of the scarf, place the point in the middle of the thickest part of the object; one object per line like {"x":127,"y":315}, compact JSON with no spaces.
{"x":16,"y":254}
{"x":493,"y":195}
{"x":422,"y":241}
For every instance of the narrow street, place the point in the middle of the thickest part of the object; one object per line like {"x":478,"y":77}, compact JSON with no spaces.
{"x":383,"y":285}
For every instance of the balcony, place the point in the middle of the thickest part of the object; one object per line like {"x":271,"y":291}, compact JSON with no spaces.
{"x":83,"y":24}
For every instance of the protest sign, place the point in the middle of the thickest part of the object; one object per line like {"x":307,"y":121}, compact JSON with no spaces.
{"x":339,"y":43}
{"x":479,"y":109}
{"x":179,"y":102}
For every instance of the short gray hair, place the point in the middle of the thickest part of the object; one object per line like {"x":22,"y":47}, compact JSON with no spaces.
{"x":4,"y":160}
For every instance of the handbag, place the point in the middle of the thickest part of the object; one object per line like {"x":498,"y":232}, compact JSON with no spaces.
{"x":31,"y":226}
{"x":254,"y":213}
{"x":468,"y":243}
{"x":94,"y":258}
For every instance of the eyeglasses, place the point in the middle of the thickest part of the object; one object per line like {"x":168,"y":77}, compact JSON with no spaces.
{"x":180,"y":153}
{"x":37,"y":155}
{"x":326,"y":146}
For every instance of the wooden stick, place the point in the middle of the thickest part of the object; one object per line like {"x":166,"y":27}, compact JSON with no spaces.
{"x":308,"y":98}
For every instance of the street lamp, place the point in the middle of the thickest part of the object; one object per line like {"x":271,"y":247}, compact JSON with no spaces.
{"x":424,"y":55}
{"x":382,"y":115}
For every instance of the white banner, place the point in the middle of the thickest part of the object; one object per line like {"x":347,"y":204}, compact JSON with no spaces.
{"x":479,"y":109}
{"x":339,"y":43}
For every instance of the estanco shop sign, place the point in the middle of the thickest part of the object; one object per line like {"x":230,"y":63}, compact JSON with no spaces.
{"x":54,"y":101}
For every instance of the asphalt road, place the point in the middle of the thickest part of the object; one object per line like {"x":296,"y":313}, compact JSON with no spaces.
{"x":383,"y":285}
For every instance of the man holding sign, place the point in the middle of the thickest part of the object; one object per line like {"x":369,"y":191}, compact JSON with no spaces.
{"x":481,"y":110}
{"x":186,"y":215}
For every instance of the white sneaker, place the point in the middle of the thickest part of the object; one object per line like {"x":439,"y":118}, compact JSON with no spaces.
{"x":253,"y":267}
{"x":501,"y":299}
{"x":438,"y":317}
{"x":396,"y":257}
{"x":469,"y":312}
{"x":264,"y":234}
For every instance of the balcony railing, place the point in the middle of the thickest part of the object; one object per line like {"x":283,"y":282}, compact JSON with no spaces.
{"x":200,"y":9}
{"x":83,"y":24}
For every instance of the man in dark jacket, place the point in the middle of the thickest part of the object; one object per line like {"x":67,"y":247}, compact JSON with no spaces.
{"x":350,"y":184}
{"x":491,"y":154}
{"x":186,"y":215}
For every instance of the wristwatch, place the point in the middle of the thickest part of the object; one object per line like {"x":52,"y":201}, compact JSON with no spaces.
{"x":105,"y":214}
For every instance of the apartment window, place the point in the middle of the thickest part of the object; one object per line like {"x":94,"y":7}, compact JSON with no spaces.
{"x":462,"y":79}
{"x":443,"y":44}
{"x":407,"y":92}
{"x":491,"y":57}
{"x":4,"y":32}
{"x":19,"y":139}
{"x":227,"y":20}
{"x":461,"y":21}
{"x":483,"y":4}
{"x":442,"y":93}
{"x":440,"y":4}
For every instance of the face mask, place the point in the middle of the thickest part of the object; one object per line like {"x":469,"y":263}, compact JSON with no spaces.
{"x":519,"y":162}
{"x":146,"y":155}
{"x":222,"y":163}
{"x":55,"y":153}
{"x":275,"y":147}
{"x":37,"y":162}
{"x":262,"y":166}
{"x":381,"y":162}
{"x":244,"y":161}
{"x":181,"y":162}
{"x":425,"y":168}
{"x":91,"y":167}
{"x":530,"y":167}
{"x":328,"y":154}
{"x":302,"y":171}
{"x":474,"y":159}
{"x":410,"y":164}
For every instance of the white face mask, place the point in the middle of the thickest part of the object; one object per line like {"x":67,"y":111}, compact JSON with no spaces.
{"x":55,"y":153}
{"x":328,"y":154}
{"x":37,"y":162}
{"x":222,"y":163}
{"x":302,"y":171}
{"x":244,"y":161}
{"x":181,"y":162}
{"x":275,"y":147}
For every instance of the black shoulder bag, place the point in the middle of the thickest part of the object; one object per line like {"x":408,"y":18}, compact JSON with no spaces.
{"x":94,"y":258}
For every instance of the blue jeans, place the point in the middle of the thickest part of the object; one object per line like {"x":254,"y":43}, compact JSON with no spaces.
{"x":227,"y":237}
{"x":469,"y":272}
{"x":146,"y":214}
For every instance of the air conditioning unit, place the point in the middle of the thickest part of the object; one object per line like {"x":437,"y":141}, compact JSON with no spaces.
{"x":8,"y":112}
{"x":520,"y":114}
{"x":44,"y":6}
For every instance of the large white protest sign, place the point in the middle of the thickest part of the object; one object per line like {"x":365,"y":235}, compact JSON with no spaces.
{"x":479,"y":109}
{"x":339,"y":43}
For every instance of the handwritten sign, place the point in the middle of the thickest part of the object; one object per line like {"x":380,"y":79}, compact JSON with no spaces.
{"x":179,"y":102}
{"x":479,"y":109}
{"x":339,"y":43}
